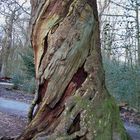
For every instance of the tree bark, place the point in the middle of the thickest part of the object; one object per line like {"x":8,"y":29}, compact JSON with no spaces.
{"x":73,"y":102}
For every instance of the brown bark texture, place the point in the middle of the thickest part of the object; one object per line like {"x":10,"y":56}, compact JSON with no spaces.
{"x":73,"y":103}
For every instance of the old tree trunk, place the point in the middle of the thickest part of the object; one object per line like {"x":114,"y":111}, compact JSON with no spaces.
{"x":73,"y":102}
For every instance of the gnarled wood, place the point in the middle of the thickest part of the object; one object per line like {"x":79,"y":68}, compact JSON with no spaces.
{"x":73,"y":101}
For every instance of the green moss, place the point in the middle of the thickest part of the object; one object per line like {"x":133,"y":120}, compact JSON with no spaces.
{"x":102,"y":119}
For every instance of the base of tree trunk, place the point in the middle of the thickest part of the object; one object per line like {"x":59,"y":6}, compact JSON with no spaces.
{"x":84,"y":118}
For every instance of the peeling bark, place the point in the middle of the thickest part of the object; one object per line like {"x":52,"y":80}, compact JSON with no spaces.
{"x":73,"y":101}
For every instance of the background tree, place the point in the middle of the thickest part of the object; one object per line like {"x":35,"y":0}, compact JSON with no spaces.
{"x":120,"y":50}
{"x":73,"y":102}
{"x":12,"y":12}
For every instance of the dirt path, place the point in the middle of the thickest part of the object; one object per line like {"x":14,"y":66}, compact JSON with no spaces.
{"x":15,"y":95}
{"x":11,"y":125}
{"x":133,"y":130}
{"x":12,"y":117}
{"x":17,"y":108}
{"x":13,"y":121}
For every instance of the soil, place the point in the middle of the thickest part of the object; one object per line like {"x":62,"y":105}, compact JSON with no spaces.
{"x":15,"y":95}
{"x":11,"y":124}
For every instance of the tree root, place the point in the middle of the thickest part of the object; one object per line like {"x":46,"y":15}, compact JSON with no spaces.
{"x":33,"y":105}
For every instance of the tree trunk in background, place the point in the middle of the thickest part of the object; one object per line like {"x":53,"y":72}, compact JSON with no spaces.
{"x":73,"y":102}
{"x":7,"y":45}
{"x":138,"y":31}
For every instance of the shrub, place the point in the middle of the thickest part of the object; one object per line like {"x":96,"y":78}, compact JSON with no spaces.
{"x":24,"y":78}
{"x":123,"y":82}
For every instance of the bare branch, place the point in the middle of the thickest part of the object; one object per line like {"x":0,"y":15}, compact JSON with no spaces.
{"x":124,"y":7}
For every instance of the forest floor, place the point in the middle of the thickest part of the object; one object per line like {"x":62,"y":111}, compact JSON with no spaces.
{"x":13,"y":122}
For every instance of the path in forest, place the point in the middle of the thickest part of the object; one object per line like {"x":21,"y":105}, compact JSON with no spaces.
{"x":13,"y":107}
{"x":13,"y":117}
{"x":133,"y":130}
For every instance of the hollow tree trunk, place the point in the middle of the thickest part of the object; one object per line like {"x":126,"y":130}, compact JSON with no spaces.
{"x":73,"y":102}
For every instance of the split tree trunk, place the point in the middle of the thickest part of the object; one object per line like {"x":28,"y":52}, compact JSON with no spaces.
{"x":73,"y":102}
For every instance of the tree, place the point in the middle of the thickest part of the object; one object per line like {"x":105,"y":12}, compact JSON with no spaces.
{"x":11,"y":11}
{"x":7,"y":43}
{"x":131,"y":19}
{"x":73,"y":102}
